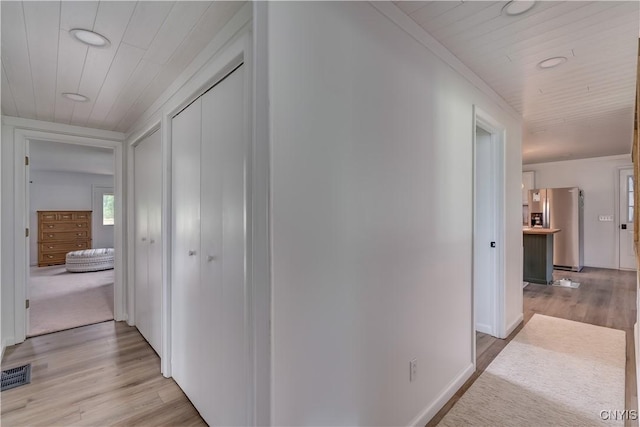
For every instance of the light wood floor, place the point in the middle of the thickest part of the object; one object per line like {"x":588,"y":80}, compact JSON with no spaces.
{"x":99,"y":375}
{"x":604,"y":298}
{"x":107,"y":374}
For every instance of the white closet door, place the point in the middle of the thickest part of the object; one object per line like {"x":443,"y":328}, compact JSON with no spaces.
{"x":141,"y":166}
{"x":223,"y":209}
{"x":186,"y":328}
{"x":154,"y":211}
{"x":148,"y":257}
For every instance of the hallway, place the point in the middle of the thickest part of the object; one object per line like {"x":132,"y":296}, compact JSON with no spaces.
{"x":604,"y":298}
{"x":107,"y":374}
{"x":101,"y":374}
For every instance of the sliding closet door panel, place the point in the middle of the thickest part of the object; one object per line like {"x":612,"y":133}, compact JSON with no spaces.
{"x":141,"y":231}
{"x":186,"y":328}
{"x":154,"y":210}
{"x":224,"y":152}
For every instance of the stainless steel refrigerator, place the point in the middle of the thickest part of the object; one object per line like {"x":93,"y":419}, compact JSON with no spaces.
{"x":560,"y":208}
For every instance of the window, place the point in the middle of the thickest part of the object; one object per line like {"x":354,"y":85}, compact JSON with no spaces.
{"x":108,"y":217}
{"x":630,"y":199}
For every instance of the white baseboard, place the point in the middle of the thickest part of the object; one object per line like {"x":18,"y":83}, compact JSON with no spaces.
{"x":513,"y":325}
{"x":484,"y":328}
{"x":430,"y":411}
{"x":637,"y":348}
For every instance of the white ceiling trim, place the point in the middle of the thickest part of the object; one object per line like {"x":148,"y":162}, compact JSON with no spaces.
{"x":62,"y":128}
{"x":527,"y":166}
{"x":402,"y":20}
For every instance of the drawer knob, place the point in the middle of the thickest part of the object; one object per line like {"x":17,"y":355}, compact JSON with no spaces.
{"x":50,"y":226}
{"x":79,"y":245}
{"x":49,"y":256}
{"x":79,"y":234}
{"x":50,"y":235}
{"x":79,"y":225}
{"x":50,"y":247}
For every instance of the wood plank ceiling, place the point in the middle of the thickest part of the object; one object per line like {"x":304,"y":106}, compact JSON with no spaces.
{"x":152,"y":42}
{"x":582,"y":108}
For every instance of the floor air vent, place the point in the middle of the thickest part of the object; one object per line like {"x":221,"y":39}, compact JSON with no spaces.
{"x":15,"y":377}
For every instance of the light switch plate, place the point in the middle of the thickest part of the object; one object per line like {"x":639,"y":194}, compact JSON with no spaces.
{"x":607,"y":218}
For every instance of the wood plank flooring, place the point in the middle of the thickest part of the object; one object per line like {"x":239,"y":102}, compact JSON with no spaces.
{"x":98,"y":375}
{"x":107,"y":374}
{"x":604,"y":298}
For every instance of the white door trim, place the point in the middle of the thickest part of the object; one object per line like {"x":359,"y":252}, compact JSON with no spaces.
{"x":21,"y":218}
{"x":497,"y":131}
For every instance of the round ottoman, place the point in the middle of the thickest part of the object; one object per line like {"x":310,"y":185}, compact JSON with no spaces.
{"x":90,"y":260}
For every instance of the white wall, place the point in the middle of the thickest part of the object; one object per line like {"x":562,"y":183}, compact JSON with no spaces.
{"x":598,"y":178}
{"x":371,"y":172}
{"x":64,"y":191}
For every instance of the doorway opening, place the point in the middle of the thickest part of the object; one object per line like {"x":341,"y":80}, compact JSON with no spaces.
{"x":23,"y":137}
{"x":71,"y":209}
{"x":488,"y":229}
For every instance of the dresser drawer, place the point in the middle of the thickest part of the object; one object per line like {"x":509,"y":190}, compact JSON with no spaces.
{"x":81,"y":216}
{"x":64,"y":226}
{"x":47,"y":248}
{"x":59,"y":216}
{"x":46,"y":236}
{"x":55,"y":258}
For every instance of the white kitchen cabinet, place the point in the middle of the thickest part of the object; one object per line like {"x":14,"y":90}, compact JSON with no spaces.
{"x":209,"y":295}
{"x":528,"y":183}
{"x":148,"y":238}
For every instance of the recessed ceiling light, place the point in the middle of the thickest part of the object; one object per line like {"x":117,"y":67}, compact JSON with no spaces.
{"x":75,"y":97}
{"x":552,"y":62}
{"x":89,"y":37}
{"x":518,"y":7}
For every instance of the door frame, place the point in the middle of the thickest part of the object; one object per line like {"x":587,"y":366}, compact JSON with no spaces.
{"x":618,"y":221}
{"x":22,"y":136}
{"x":497,"y":131}
{"x":257,"y":264}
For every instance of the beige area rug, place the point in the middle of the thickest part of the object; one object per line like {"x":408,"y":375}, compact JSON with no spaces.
{"x":555,"y":372}
{"x":62,"y":300}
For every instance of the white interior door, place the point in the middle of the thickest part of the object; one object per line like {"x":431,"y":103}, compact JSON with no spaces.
{"x":484,"y":262}
{"x":154,"y":230}
{"x":223,"y":203}
{"x":627,"y":188}
{"x":148,"y":250}
{"x":187,"y":330}
{"x":142,"y":316}
{"x":209,"y":345}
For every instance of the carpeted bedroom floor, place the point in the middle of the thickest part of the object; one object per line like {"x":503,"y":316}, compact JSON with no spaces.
{"x":61,"y":300}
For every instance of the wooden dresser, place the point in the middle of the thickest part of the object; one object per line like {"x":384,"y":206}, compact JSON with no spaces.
{"x":60,"y":232}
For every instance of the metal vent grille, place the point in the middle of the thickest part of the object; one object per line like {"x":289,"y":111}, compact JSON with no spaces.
{"x":16,"y":377}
